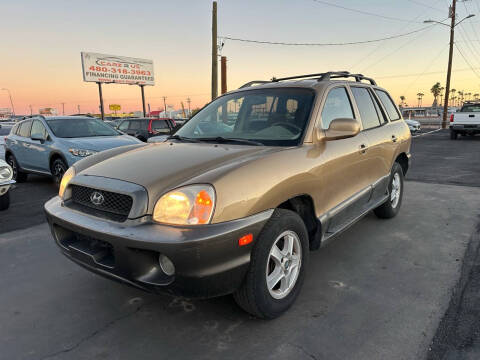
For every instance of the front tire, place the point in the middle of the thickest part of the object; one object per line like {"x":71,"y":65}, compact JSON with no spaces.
{"x":5,"y":201}
{"x":391,"y":207}
{"x":277,"y":266}
{"x":58,"y":168}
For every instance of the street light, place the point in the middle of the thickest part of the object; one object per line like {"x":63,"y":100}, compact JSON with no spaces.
{"x":450,"y":56}
{"x":11,"y":101}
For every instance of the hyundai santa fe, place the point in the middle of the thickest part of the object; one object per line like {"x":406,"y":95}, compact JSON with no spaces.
{"x":233,"y":202}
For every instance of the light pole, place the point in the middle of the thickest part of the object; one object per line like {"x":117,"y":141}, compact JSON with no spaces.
{"x":11,"y":101}
{"x":452,"y":26}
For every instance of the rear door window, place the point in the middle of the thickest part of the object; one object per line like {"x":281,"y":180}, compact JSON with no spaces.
{"x":159,"y":124}
{"x":366,"y":107}
{"x":337,"y":105}
{"x":135,"y":125}
{"x":123,"y":126}
{"x":24,"y":129}
{"x":388,"y":105}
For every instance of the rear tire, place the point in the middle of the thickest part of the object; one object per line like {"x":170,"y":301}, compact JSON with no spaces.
{"x":5,"y":201}
{"x":391,"y":207}
{"x":18,"y":175}
{"x":453,"y":135}
{"x":277,"y":269}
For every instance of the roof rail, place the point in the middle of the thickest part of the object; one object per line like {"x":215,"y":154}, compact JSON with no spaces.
{"x":320,"y":76}
{"x":254,"y":82}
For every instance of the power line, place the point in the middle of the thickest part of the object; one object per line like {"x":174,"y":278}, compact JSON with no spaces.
{"x":424,"y":73}
{"x":393,"y":52}
{"x":323,"y":44}
{"x":468,"y":63}
{"x":380,"y":45}
{"x":425,"y":5}
{"x":361,"y":11}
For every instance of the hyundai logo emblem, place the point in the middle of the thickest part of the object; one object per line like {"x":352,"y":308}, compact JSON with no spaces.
{"x":97,"y":198}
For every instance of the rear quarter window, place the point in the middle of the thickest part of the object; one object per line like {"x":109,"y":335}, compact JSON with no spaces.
{"x":388,"y":104}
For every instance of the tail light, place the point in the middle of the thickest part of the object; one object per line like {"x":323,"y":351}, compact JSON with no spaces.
{"x":451,"y":118}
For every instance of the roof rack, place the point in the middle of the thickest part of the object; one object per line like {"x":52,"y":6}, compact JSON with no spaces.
{"x":254,"y":82}
{"x":319,"y":76}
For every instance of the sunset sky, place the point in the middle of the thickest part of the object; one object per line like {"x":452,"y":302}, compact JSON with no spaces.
{"x":42,"y":41}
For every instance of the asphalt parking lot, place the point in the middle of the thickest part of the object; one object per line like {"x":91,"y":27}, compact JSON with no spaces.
{"x":406,"y":288}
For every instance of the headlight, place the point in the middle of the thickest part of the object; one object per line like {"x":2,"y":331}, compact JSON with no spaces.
{"x":190,"y":205}
{"x":6,"y":173}
{"x":81,"y":153}
{"x":69,"y":174}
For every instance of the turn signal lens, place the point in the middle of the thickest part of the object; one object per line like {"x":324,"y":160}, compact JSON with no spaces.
{"x":190,"y":205}
{"x":245,"y":240}
{"x":69,"y":174}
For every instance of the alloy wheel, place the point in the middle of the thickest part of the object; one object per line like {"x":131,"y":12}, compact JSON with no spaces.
{"x":396,"y":189}
{"x":283,"y":264}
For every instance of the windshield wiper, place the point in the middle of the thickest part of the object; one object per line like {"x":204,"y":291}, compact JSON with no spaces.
{"x":221,"y":139}
{"x":182,"y":138}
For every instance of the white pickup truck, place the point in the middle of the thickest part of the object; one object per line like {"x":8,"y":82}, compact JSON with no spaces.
{"x":466,"y":121}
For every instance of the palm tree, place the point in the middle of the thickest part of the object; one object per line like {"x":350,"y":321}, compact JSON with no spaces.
{"x":468,"y":95}
{"x":441,"y":94}
{"x":402,"y":100}
{"x":419,"y":98}
{"x":461,"y":96}
{"x":453,"y":91}
{"x":475,"y":96}
{"x":436,"y":90}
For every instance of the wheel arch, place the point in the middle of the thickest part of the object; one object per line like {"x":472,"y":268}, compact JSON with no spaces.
{"x":402,"y":159}
{"x":304,"y":206}
{"x":54,"y":155}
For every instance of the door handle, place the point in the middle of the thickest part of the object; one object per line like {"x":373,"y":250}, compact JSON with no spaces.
{"x":394,"y":138}
{"x":363,"y":149}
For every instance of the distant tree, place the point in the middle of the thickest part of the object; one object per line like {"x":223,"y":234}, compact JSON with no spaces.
{"x":461,"y":96}
{"x":453,"y":91}
{"x":419,"y":98}
{"x":402,"y":101}
{"x":442,"y":89}
{"x":475,"y":96}
{"x":194,"y":111}
{"x":436,"y":90}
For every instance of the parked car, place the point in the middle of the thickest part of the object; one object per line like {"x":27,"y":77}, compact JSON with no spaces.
{"x":222,"y":209}
{"x":143,"y":128}
{"x":413,"y":125}
{"x":466,"y":121}
{"x":6,"y":175}
{"x":51,"y":145}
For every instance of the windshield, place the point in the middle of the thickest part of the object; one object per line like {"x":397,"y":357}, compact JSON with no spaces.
{"x":471,"y":108}
{"x":272,"y":117}
{"x":80,"y":127}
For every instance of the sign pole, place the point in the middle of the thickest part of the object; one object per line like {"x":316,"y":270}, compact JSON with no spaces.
{"x":101,"y":99}
{"x":143,"y":100}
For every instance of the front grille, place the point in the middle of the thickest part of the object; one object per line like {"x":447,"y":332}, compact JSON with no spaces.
{"x":112,"y":205}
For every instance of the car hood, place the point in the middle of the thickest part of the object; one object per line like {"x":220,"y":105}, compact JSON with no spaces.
{"x":100,"y":143}
{"x":163,"y":166}
{"x":412,"y":122}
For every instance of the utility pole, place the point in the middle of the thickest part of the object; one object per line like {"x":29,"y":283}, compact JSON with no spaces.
{"x":449,"y":69}
{"x":223,"y":67}
{"x":63,"y":108}
{"x":143,"y":99}
{"x":214,"y":52}
{"x":78,"y":107}
{"x":102,"y":112}
{"x":165,"y":105}
{"x":189,"y":110}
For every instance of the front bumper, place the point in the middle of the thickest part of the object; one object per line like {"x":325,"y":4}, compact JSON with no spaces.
{"x":4,"y":186}
{"x":208,"y":261}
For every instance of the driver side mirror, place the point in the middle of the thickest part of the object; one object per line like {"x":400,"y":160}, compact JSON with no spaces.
{"x":38,"y":137}
{"x":341,"y":128}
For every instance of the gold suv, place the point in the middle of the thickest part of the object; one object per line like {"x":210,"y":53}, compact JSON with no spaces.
{"x":234,"y":201}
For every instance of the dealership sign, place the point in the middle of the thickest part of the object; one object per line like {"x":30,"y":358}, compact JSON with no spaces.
{"x":103,"y":68}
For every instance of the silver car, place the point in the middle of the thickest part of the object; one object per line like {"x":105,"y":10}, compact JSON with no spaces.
{"x":6,"y":174}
